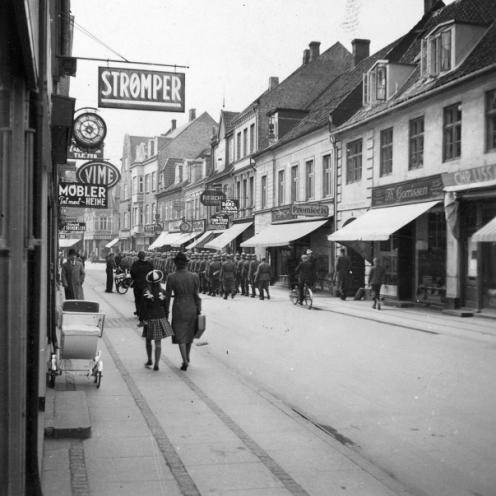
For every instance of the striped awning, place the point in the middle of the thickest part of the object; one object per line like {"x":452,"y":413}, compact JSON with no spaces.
{"x":227,"y":236}
{"x":112,"y":243}
{"x":486,"y":234}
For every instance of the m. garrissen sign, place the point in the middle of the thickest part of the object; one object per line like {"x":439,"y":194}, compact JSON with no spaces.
{"x":140,"y":89}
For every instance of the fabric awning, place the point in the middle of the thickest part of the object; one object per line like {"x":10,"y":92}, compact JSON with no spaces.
{"x":68,"y":242}
{"x":160,"y":241}
{"x":282,"y":234}
{"x":379,"y":223}
{"x":227,"y":236}
{"x":487,"y":233}
{"x":183,"y":238}
{"x":204,"y":238}
{"x":112,"y":243}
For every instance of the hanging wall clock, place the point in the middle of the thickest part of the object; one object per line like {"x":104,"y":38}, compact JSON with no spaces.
{"x":89,"y":130}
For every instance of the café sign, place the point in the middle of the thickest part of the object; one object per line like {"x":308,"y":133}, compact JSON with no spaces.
{"x":83,"y":195}
{"x":98,"y":172}
{"x":428,"y":188}
{"x":140,"y":89}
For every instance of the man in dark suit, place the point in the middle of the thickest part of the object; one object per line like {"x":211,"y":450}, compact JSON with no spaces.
{"x":304,"y":273}
{"x":109,"y":269}
{"x":139,"y":270}
{"x":343,"y":270}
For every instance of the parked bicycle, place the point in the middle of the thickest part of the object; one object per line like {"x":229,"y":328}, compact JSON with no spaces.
{"x":306,"y":301}
{"x":123,"y":281}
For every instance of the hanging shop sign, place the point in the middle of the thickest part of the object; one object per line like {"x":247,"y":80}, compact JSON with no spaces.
{"x":74,"y":226}
{"x":83,"y":195}
{"x":140,"y":89}
{"x":219,"y":221}
{"x":427,"y":188}
{"x":89,"y":130}
{"x":77,"y":153}
{"x":230,"y":206}
{"x":212,"y":198}
{"x":98,"y":172}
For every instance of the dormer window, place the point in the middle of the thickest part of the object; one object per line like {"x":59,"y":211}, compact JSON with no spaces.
{"x":375,"y":84}
{"x":438,"y":52}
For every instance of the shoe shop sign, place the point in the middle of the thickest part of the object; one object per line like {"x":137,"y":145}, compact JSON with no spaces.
{"x":140,"y":89}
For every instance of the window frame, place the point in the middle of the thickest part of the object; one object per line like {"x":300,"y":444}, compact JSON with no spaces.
{"x":450,"y":131}
{"x":490,"y":114}
{"x":263,"y":191}
{"x":354,"y":161}
{"x":294,"y":183}
{"x":281,"y":183}
{"x":386,"y":152}
{"x":309,"y":179}
{"x":416,"y":143}
{"x":327,"y":176}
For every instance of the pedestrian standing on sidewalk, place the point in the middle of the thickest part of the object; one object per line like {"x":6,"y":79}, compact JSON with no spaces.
{"x":72,"y":276}
{"x":376,"y":280}
{"x":343,"y":270}
{"x":262,"y":278}
{"x":111,"y":266}
{"x":156,"y":325}
{"x":184,"y":287}
{"x":139,"y":270}
{"x":303,"y":272}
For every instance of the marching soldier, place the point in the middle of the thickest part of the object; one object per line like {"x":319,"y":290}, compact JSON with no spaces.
{"x":213,"y":275}
{"x":227,"y":277}
{"x":244,"y":274}
{"x":262,"y":278}
{"x":202,"y":267}
{"x":252,"y":269}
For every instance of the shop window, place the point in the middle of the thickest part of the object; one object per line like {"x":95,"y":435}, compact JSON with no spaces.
{"x":386,"y":166}
{"x":452,"y":132}
{"x":354,"y":161}
{"x":416,"y":143}
{"x":491,"y":120}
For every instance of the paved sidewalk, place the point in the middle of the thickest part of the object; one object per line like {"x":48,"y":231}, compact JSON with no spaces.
{"x":207,"y":431}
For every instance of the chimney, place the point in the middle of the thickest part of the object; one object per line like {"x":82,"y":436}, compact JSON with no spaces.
{"x":428,"y":5}
{"x":361,"y":50}
{"x":173,"y":124}
{"x":273,"y":82}
{"x":192,"y":114}
{"x":314,"y":50}
{"x":306,"y":56}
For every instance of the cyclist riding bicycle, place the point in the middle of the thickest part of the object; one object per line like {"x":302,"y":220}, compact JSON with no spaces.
{"x":304,"y":273}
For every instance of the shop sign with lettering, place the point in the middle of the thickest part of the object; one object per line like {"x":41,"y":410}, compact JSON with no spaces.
{"x":77,"y":153}
{"x":281,"y":214}
{"x":152,"y":228}
{"x":230,"y":206}
{"x":427,"y":188}
{"x":74,"y":226}
{"x":98,"y":172}
{"x":309,"y":210}
{"x":478,"y":175}
{"x":212,"y":198}
{"x":83,"y":195}
{"x":140,"y":89}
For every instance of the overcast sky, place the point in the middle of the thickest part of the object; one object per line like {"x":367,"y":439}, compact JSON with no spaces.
{"x":232,"y":47}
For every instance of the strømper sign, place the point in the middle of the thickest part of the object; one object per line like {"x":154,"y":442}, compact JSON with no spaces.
{"x":140,"y":89}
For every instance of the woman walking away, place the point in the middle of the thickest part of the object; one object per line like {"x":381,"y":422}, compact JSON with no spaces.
{"x":376,"y":280}
{"x":184,"y":287}
{"x":157,"y":326}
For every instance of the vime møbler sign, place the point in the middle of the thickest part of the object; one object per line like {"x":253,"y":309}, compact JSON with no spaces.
{"x":140,"y":89}
{"x":427,"y":188}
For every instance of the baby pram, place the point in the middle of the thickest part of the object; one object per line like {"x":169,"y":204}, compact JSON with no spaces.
{"x":80,"y":327}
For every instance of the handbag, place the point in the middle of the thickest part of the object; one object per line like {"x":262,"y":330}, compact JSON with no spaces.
{"x":201,"y":324}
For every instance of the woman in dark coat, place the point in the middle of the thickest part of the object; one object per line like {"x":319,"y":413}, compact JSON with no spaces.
{"x":184,"y":286}
{"x":156,"y":325}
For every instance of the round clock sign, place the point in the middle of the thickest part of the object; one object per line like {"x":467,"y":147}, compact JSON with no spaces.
{"x":89,"y":130}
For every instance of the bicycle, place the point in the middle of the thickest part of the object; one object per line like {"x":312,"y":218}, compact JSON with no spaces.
{"x":307,"y":301}
{"x":123,"y":281}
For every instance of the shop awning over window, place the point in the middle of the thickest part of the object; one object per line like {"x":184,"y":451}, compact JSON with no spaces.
{"x":68,"y":242}
{"x":203,"y":239}
{"x":227,"y":236}
{"x":160,"y":241}
{"x":183,"y":238}
{"x":112,"y":243}
{"x":486,"y":234}
{"x":378,"y":224}
{"x":282,"y":234}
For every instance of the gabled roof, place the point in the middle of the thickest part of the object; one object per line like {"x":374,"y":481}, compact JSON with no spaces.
{"x":306,"y":82}
{"x":228,"y":118}
{"x":134,"y":141}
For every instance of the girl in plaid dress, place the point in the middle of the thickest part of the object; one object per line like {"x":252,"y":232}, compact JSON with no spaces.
{"x":156,"y":325}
